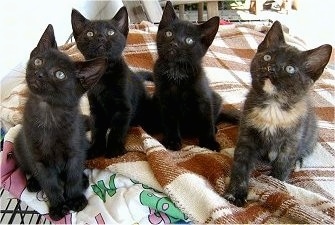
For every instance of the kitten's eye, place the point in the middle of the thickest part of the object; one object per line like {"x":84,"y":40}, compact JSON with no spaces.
{"x":38,"y":62}
{"x":110,"y":32}
{"x":290,"y":69}
{"x":89,"y":34}
{"x":267,"y":58}
{"x":168,"y":33}
{"x":189,"y":41}
{"x":60,"y":75}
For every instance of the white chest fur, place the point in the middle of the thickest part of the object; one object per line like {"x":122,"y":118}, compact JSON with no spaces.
{"x":269,"y":87}
{"x":272,"y":117}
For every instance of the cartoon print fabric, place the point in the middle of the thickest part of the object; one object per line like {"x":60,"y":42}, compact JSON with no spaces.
{"x":135,"y":202}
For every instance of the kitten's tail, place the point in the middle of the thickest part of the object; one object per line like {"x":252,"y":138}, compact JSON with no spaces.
{"x":145,"y":75}
{"x":230,"y":115}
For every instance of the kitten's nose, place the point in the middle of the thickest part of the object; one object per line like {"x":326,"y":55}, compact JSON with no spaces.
{"x":101,"y":38}
{"x":39,"y":74}
{"x":173,"y":48}
{"x":271,"y":68}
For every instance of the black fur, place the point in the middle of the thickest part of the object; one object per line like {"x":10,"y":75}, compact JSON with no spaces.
{"x":116,"y":102}
{"x":187,"y":103}
{"x":51,"y":147}
{"x":278,"y":122}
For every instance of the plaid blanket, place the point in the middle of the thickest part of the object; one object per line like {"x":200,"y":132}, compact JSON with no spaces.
{"x":187,"y":185}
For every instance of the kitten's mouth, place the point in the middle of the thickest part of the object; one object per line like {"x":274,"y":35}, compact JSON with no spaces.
{"x":34,"y":85}
{"x":172,"y":52}
{"x":100,"y":49}
{"x":266,"y":77}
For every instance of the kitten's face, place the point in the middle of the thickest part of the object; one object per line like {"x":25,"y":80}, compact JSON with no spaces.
{"x":52,"y":75}
{"x":283,"y":70}
{"x":179,"y":40}
{"x":50,"y":72}
{"x":100,"y":38}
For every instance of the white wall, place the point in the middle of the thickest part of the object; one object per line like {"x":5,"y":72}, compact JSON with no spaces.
{"x":22,"y":23}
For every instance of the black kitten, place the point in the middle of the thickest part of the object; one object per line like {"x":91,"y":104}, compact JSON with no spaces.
{"x":51,"y":147}
{"x":187,"y":103}
{"x":278,"y":122}
{"x":116,"y":102}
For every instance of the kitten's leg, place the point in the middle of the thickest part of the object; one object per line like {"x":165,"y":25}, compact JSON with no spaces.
{"x":207,"y":137}
{"x":171,"y":131}
{"x":98,"y":146}
{"x":244,"y":157}
{"x":74,"y":184}
{"x":48,"y":178}
{"x":33,"y":185}
{"x":285,"y":162}
{"x":98,"y":130}
{"x":118,"y":131}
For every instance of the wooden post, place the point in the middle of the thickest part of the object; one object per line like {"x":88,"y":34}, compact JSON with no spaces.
{"x":200,"y":11}
{"x":181,"y":11}
{"x":212,"y":9}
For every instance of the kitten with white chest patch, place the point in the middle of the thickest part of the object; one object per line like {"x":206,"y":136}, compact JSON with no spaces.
{"x":278,"y":122}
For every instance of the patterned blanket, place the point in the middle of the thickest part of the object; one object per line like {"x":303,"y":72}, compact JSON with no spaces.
{"x":151,"y":184}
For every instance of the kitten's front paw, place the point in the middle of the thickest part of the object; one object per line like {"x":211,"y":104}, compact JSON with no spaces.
{"x":115,"y":151}
{"x":58,"y":212}
{"x":95,"y":151}
{"x":172,"y":144}
{"x":236,"y":194}
{"x":279,"y":175}
{"x":33,"y":185}
{"x":238,"y":200}
{"x":210,"y":144}
{"x":77,"y":204}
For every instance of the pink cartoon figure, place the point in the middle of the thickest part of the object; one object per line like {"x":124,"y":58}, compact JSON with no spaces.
{"x":12,"y":178}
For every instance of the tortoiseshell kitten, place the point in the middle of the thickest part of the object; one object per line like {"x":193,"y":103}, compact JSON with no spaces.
{"x":52,"y":144}
{"x":278,"y":122}
{"x":116,"y":102}
{"x":187,"y":103}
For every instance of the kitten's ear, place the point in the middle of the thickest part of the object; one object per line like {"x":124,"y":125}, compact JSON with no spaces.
{"x":168,"y":16}
{"x":121,"y":17}
{"x":273,"y":38}
{"x":78,"y":22}
{"x":89,"y":72}
{"x":208,"y":30}
{"x":46,"y":42}
{"x":315,"y":60}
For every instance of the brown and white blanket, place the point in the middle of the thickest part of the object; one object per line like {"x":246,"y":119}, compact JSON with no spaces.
{"x":194,"y":179}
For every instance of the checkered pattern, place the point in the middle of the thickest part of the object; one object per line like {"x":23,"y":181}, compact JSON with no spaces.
{"x":195,"y":178}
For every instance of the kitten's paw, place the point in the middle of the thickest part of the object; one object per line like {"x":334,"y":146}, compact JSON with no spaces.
{"x":33,"y":185}
{"x":280,"y":176}
{"x":172,"y":144}
{"x":77,"y":204}
{"x":210,"y":144}
{"x":58,"y":212}
{"x":281,"y":172}
{"x":95,"y":151}
{"x":236,"y":199}
{"x":115,"y":151}
{"x":236,"y":193}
